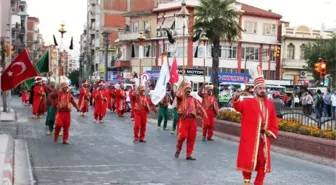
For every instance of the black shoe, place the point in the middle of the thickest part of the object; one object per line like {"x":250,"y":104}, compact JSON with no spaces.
{"x":191,"y":159}
{"x":177,"y":154}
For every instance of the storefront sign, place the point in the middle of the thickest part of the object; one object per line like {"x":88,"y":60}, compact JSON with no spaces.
{"x":232,"y":77}
{"x":198,"y":72}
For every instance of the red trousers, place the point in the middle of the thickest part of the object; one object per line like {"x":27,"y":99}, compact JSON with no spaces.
{"x":260,"y":167}
{"x":208,"y":124}
{"x":187,"y":129}
{"x":140,"y":124}
{"x":62,"y":120}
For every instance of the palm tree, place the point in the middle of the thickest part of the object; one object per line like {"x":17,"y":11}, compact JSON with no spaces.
{"x":219,"y":20}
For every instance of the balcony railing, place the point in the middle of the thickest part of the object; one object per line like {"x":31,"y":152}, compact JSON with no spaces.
{"x":125,"y":36}
{"x":294,"y":64}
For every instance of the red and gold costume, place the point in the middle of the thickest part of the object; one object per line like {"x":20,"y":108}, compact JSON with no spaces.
{"x":258,"y":126}
{"x":188,"y":108}
{"x":39,"y":98}
{"x":83,"y":100}
{"x":210,"y":105}
{"x":25,"y":97}
{"x":100,"y":98}
{"x":112,"y":96}
{"x":63,"y":115}
{"x":141,"y":110}
{"x":121,"y":101}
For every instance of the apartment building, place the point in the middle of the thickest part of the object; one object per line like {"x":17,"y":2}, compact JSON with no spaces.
{"x":34,"y":38}
{"x":294,"y":39}
{"x":107,"y":16}
{"x":261,"y":34}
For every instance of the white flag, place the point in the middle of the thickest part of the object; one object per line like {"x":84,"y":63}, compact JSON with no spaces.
{"x":161,"y":85}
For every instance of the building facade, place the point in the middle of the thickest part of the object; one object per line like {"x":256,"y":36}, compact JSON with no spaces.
{"x":107,"y":16}
{"x":261,"y":34}
{"x":294,"y":39}
{"x":34,"y":38}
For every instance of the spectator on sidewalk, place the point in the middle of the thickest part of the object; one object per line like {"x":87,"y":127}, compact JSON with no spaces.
{"x":278,"y":104}
{"x":333,"y":104}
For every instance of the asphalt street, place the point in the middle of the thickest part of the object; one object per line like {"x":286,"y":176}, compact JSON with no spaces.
{"x":101,"y":154}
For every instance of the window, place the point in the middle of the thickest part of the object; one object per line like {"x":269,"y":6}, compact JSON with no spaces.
{"x":229,"y":52}
{"x":250,"y":27}
{"x":134,"y":27}
{"x":179,"y":51}
{"x":269,"y":29}
{"x":302,"y":47}
{"x":266,"y":55}
{"x":272,"y":75}
{"x":136,"y":51}
{"x":290,"y":51}
{"x":250,"y":53}
{"x":146,"y":26}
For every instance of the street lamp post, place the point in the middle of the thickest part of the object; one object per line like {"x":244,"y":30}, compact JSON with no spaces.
{"x":141,"y":38}
{"x":204,"y":39}
{"x":106,"y":40}
{"x":183,"y":14}
{"x":62,"y":31}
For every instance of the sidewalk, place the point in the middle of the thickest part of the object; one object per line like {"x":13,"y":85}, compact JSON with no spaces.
{"x":7,"y":116}
{"x":6,"y":159}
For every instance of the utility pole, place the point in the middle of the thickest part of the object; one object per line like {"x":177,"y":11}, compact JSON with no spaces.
{"x":3,"y":65}
{"x":106,"y":39}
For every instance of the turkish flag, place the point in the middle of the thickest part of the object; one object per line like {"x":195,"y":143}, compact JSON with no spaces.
{"x":18,"y":71}
{"x":174,"y":77}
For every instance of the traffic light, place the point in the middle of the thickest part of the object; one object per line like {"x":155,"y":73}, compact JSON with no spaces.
{"x":323,"y":72}
{"x":296,"y":79}
{"x":317,"y":67}
{"x":276,"y":51}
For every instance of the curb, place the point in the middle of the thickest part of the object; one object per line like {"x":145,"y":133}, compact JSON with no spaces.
{"x":285,"y":151}
{"x":22,"y":167}
{"x":8,"y":169}
{"x":15,"y":117}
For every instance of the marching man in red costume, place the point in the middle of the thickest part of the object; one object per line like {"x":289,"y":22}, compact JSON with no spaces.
{"x":210,"y":105}
{"x":258,"y":126}
{"x":188,"y":108}
{"x":63,"y":115}
{"x":121,"y":101}
{"x":100,"y":103}
{"x":141,"y":109}
{"x":39,"y":98}
{"x":84,"y":97}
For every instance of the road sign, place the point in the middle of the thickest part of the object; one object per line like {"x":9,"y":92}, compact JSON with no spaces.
{"x":144,"y":77}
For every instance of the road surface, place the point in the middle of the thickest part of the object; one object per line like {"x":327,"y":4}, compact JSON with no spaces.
{"x":101,"y":154}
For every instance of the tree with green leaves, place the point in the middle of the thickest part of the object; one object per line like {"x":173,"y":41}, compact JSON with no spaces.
{"x":325,"y":49}
{"x":219,"y":20}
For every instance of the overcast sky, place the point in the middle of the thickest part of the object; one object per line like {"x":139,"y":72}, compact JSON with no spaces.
{"x":73,"y":13}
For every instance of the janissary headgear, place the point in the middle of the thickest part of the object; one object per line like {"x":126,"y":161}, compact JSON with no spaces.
{"x":38,"y":79}
{"x":257,"y":75}
{"x":85,"y":82}
{"x":64,"y":85}
{"x":101,"y":83}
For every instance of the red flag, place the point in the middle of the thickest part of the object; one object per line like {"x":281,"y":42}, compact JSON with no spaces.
{"x":174,"y":77}
{"x":18,"y":71}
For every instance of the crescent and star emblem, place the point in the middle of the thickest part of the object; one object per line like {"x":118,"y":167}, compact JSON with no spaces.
{"x":23,"y":68}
